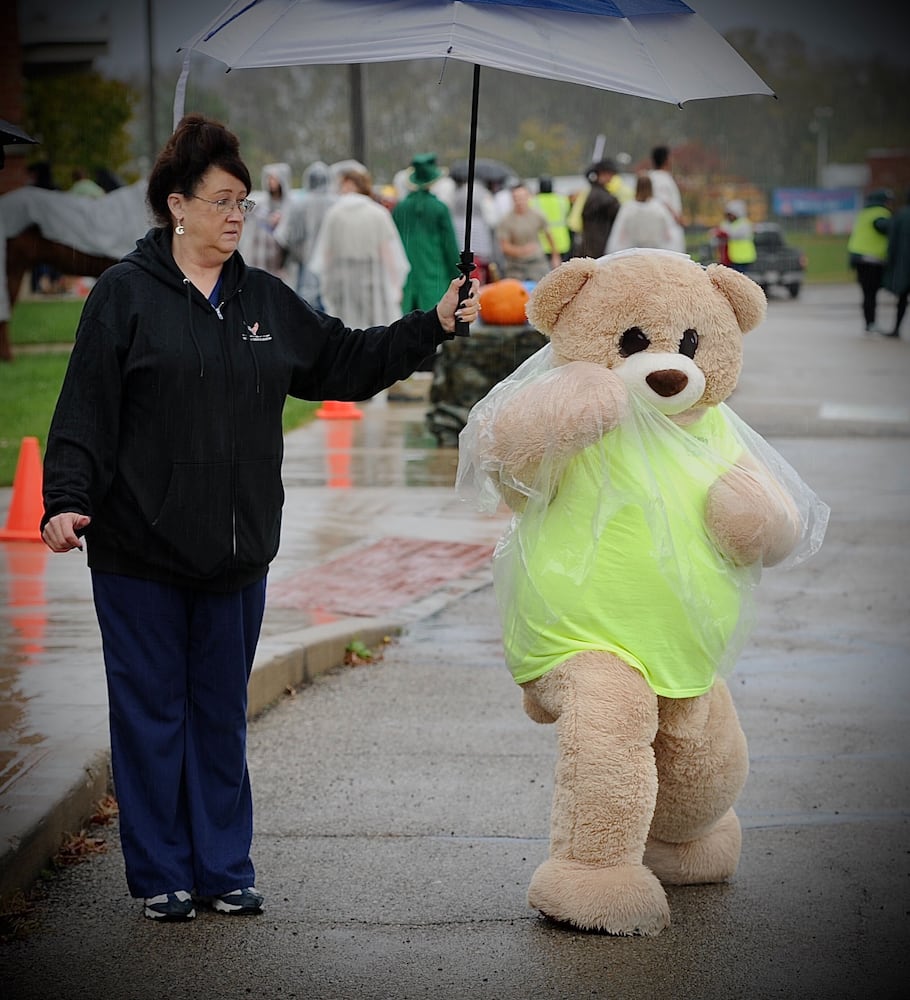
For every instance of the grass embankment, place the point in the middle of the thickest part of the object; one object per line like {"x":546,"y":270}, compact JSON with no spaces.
{"x":41,"y":333}
{"x":827,"y":257}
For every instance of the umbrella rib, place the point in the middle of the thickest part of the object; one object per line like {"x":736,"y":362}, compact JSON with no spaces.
{"x":270,"y":28}
{"x":644,"y":48}
{"x":232,"y":18}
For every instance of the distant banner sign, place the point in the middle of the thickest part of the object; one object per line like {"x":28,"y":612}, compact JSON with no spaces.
{"x":815,"y":201}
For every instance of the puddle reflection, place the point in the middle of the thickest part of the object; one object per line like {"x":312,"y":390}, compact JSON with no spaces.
{"x":23,"y":629}
{"x":392,"y":448}
{"x":24,"y":570}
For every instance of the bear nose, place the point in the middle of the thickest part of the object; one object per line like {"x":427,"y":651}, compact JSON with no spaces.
{"x":667,"y":382}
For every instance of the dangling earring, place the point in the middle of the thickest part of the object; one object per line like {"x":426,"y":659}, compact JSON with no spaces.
{"x":179,"y":230}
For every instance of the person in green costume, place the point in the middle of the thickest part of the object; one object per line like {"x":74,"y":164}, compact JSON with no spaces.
{"x":425,"y":226}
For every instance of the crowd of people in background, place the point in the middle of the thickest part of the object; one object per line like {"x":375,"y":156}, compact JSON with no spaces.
{"x":371,"y":252}
{"x":518,"y":228}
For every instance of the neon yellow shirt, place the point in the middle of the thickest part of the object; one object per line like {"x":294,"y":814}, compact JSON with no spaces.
{"x":621,"y":560}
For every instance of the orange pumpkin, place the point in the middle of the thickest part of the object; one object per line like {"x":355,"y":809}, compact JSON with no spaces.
{"x":503,"y":303}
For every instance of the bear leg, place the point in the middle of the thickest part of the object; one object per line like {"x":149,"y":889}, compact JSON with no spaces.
{"x":711,"y":858}
{"x":604,"y":796}
{"x":702,"y":764}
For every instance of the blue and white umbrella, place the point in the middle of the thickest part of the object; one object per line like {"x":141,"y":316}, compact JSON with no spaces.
{"x":659,"y":49}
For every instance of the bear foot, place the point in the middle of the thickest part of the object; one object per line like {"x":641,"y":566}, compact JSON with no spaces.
{"x":622,"y":900}
{"x":712,"y":858}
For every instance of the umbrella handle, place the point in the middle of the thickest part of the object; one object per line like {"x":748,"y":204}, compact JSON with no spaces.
{"x":466,"y":266}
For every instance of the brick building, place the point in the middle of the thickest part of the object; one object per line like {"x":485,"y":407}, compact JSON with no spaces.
{"x":31,"y":47}
{"x":13,"y":174}
{"x":889,"y":168}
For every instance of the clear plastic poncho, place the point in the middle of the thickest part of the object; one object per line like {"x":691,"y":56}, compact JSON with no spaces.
{"x":610,"y":550}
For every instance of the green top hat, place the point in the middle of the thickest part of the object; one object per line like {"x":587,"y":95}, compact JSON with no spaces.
{"x":425,"y":170}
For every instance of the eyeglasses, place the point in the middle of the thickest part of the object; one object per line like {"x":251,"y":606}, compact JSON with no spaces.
{"x":224,"y":206}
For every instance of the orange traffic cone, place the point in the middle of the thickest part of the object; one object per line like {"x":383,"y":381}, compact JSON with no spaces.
{"x":23,"y":522}
{"x":333,"y":410}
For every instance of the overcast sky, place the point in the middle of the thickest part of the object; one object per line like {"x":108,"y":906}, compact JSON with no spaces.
{"x":843,"y":25}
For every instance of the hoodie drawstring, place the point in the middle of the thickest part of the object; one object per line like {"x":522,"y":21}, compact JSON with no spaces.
{"x":189,"y":306}
{"x":189,"y":303}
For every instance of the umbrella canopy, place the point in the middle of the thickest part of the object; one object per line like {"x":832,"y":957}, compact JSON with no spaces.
{"x":659,"y":49}
{"x":10,"y":135}
{"x":486,"y":170}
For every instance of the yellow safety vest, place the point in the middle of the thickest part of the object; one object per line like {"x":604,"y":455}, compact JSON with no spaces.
{"x":866,"y":240}
{"x":555,"y":209}
{"x":740,"y":244}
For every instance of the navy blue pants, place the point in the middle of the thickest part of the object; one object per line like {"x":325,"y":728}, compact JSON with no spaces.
{"x":177,"y":663}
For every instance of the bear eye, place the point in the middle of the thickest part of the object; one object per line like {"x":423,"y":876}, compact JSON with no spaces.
{"x":633,"y":341}
{"x":689,"y":343}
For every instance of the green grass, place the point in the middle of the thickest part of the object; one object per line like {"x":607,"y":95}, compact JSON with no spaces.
{"x":827,"y":258}
{"x":28,"y":393}
{"x":297,"y":412}
{"x":37,"y":322}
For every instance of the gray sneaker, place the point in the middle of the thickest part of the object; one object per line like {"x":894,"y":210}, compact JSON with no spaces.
{"x":239,"y":901}
{"x":170,"y":906}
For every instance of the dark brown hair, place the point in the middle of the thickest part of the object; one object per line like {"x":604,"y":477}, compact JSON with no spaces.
{"x":644,"y":189}
{"x":360,"y":179}
{"x":197,"y":144}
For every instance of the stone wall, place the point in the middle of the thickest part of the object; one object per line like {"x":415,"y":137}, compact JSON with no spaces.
{"x":467,"y":368}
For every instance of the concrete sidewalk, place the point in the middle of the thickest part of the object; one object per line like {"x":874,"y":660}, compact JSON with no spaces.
{"x":403,"y":805}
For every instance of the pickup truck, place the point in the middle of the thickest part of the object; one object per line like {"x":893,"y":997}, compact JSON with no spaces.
{"x":778,"y":264}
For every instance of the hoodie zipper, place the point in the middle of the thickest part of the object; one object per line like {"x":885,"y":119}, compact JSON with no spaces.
{"x":229,"y":367}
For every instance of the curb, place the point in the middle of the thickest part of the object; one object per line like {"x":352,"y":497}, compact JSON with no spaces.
{"x":287,"y":661}
{"x":28,"y":853}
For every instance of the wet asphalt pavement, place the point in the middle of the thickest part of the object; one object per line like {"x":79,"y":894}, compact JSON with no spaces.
{"x":402,"y":805}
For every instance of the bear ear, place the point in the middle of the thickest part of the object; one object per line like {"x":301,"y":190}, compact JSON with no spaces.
{"x":744,"y":295}
{"x":556,"y":290}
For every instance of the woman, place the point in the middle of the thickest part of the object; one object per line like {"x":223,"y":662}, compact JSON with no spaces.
{"x":165,"y":451}
{"x":359,"y":258}
{"x":642,"y":221}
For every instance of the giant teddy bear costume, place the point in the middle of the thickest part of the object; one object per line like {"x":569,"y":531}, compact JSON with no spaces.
{"x":643,"y":512}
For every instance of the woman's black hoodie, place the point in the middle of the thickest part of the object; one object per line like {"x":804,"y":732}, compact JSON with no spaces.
{"x":167,"y":432}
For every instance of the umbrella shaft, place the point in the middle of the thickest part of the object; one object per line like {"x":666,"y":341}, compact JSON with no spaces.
{"x":472,"y":156}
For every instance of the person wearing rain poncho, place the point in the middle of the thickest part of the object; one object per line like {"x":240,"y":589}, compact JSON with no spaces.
{"x":359,"y":259}
{"x":643,"y":512}
{"x":258,"y":244}
{"x":299,"y":226}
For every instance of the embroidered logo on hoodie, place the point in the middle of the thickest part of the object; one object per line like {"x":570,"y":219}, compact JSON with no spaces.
{"x":252,"y":333}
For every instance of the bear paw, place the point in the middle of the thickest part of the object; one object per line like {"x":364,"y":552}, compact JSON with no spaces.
{"x":622,"y":899}
{"x":712,"y":858}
